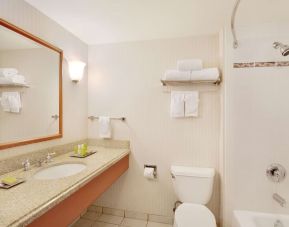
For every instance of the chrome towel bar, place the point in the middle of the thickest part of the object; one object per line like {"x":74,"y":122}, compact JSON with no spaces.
{"x":112,"y":118}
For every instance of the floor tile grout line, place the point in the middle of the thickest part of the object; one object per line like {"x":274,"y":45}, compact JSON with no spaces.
{"x":122,"y":219}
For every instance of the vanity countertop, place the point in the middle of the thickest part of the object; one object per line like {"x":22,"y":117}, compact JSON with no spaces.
{"x":24,"y":203}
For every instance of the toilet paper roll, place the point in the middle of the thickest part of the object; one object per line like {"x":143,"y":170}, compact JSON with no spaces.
{"x":149,"y":173}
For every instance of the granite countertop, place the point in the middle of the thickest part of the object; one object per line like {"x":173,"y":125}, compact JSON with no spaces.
{"x":22,"y":204}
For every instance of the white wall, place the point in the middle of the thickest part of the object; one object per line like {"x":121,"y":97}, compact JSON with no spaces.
{"x":256,"y":121}
{"x":23,"y":15}
{"x":124,"y":80}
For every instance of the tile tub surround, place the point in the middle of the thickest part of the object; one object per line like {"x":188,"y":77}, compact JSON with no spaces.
{"x":26,"y":202}
{"x":261,"y":64}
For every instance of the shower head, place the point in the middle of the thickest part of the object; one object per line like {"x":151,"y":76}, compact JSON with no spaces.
{"x":284,"y":49}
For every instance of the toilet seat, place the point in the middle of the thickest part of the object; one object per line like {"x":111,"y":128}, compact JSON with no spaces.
{"x":194,"y":215}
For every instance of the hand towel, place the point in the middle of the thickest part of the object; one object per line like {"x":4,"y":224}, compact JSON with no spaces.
{"x":5,"y":102}
{"x":191,"y":103}
{"x":177,"y":104}
{"x":6,"y":72}
{"x":175,"y":75}
{"x":11,"y":102}
{"x":15,"y":102}
{"x":190,"y":64}
{"x":104,"y":127}
{"x":205,"y":74}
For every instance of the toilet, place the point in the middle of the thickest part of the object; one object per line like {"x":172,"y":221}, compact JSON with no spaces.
{"x":194,"y":187}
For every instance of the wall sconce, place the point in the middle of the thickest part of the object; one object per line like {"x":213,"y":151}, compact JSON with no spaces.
{"x":76,"y":69}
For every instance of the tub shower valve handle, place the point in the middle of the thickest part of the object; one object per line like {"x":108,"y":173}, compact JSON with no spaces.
{"x":276,"y":173}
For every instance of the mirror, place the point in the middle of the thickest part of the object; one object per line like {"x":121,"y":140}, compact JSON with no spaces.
{"x":30,"y":88}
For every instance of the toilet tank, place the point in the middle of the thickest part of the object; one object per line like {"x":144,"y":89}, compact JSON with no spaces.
{"x":193,"y":184}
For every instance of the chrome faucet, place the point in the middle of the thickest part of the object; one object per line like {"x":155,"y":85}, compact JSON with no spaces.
{"x":48,"y":159}
{"x":26,"y":165}
{"x":279,"y":199}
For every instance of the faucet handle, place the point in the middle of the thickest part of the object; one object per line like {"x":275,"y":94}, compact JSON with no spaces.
{"x":26,"y":165}
{"x":49,"y":156}
{"x":276,"y":172}
{"x":39,"y":162}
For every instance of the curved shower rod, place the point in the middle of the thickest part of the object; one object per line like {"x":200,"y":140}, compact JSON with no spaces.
{"x":235,"y":43}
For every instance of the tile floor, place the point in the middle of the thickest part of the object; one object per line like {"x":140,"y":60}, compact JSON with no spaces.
{"x":93,"y":219}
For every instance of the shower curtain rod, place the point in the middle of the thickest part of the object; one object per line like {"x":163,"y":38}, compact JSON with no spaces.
{"x":235,"y":43}
{"x":112,"y":118}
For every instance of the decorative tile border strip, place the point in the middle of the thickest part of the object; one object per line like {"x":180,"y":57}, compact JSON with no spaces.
{"x":244,"y":65}
{"x":261,"y":64}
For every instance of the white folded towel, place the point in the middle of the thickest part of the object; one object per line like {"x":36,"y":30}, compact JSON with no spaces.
{"x":175,"y":75}
{"x":6,"y":72}
{"x":18,"y":79}
{"x":11,"y":102}
{"x":205,"y":74}
{"x":191,"y":103}
{"x":211,"y":74}
{"x":177,"y":104}
{"x":104,"y":127}
{"x":190,"y":64}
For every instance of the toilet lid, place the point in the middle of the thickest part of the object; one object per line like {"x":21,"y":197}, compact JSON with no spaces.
{"x":194,"y":215}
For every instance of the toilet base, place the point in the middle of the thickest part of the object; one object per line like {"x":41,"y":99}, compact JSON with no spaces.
{"x":194,"y":215}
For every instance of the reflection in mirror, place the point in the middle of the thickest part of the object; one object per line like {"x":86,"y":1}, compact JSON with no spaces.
{"x":30,"y":89}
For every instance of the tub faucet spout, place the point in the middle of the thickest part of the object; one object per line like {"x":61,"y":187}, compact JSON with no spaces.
{"x":279,"y":200}
{"x":278,"y":223}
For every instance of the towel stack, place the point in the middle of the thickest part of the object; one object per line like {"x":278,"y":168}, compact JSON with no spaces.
{"x":10,"y":75}
{"x":191,"y":70}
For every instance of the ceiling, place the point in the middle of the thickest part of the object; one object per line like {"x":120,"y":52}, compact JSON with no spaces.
{"x":110,"y":21}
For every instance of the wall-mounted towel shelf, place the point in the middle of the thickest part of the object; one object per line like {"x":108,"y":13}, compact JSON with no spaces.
{"x":14,"y":85}
{"x":9,"y":83}
{"x":112,"y":118}
{"x":190,"y":82}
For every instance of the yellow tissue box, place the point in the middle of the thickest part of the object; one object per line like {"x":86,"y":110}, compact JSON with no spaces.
{"x":9,"y":180}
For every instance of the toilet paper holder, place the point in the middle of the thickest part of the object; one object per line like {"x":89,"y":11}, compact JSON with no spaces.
{"x":154,"y":167}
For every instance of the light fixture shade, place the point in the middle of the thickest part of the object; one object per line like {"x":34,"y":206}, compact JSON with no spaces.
{"x":76,"y":69}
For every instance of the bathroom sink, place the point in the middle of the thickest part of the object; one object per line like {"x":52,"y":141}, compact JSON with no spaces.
{"x":59,"y":171}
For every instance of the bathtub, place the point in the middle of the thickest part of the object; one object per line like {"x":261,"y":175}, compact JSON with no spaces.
{"x":242,"y":218}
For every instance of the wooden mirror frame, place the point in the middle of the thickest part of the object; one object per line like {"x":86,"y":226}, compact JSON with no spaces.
{"x":60,"y":52}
